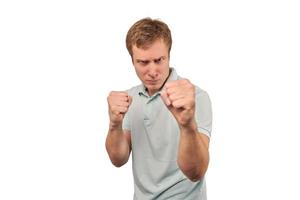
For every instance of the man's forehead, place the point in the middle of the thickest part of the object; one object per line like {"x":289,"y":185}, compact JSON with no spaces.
{"x":146,"y":54}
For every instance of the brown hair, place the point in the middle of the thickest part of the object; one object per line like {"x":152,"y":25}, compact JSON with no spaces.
{"x":145,"y":32}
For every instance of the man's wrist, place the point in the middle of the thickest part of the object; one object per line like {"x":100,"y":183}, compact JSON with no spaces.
{"x":189,"y":128}
{"x":115,"y":126}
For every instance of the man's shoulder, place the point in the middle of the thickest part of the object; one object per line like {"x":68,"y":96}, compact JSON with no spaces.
{"x":199,"y":91}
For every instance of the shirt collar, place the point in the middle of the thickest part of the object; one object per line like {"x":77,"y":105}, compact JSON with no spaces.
{"x":142,"y":90}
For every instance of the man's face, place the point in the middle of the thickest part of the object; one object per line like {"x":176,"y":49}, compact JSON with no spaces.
{"x":152,"y":65}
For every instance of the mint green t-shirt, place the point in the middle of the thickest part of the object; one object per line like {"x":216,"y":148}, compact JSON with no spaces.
{"x":155,"y":140}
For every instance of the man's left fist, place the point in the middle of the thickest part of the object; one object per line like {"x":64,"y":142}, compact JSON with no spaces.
{"x":179,"y":97}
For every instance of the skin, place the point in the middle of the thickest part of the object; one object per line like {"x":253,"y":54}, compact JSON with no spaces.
{"x":152,"y":65}
{"x":152,"y":68}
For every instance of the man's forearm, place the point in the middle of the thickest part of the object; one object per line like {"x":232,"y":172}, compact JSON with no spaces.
{"x":117,"y":146}
{"x":193,"y":156}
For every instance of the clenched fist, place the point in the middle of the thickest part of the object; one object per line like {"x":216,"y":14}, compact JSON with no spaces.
{"x":179,"y":97}
{"x":118,"y":104}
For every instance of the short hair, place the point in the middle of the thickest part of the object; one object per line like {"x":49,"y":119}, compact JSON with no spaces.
{"x":145,"y":32}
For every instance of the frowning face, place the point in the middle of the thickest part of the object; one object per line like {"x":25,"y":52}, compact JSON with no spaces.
{"x":152,"y":65}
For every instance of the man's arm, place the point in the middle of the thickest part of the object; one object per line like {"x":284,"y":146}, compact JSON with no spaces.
{"x":118,"y":145}
{"x":118,"y":141}
{"x":193,"y":155}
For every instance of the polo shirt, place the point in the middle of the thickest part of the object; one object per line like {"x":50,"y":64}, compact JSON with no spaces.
{"x":155,"y":138}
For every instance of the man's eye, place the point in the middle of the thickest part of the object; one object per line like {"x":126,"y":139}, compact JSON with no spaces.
{"x":157,"y":61}
{"x":143,"y":62}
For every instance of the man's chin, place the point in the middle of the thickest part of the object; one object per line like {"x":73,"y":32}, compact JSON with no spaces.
{"x":153,"y":86}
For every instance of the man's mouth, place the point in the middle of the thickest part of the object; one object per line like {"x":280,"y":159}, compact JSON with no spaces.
{"x":152,"y":82}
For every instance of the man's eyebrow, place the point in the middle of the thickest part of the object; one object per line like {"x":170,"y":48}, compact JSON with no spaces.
{"x":141,"y":60}
{"x":147,"y":60}
{"x":161,"y":57}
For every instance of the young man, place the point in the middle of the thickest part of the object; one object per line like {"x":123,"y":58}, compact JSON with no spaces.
{"x":165,"y":122}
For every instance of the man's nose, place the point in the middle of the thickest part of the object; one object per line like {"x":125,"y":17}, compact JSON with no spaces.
{"x":153,"y":71}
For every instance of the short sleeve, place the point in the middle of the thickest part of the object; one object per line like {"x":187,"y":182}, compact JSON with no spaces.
{"x":126,"y":122}
{"x":203,"y":112}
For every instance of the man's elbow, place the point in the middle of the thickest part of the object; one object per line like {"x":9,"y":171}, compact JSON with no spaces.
{"x":194,"y":174}
{"x":118,"y":160}
{"x":118,"y":163}
{"x":195,"y":177}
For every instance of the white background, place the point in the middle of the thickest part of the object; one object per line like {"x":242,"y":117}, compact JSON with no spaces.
{"x":59,"y":59}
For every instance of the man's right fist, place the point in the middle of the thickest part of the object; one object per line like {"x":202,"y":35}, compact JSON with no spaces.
{"x":118,"y":104}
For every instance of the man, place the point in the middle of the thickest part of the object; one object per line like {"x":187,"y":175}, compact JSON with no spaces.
{"x":165,"y":122}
